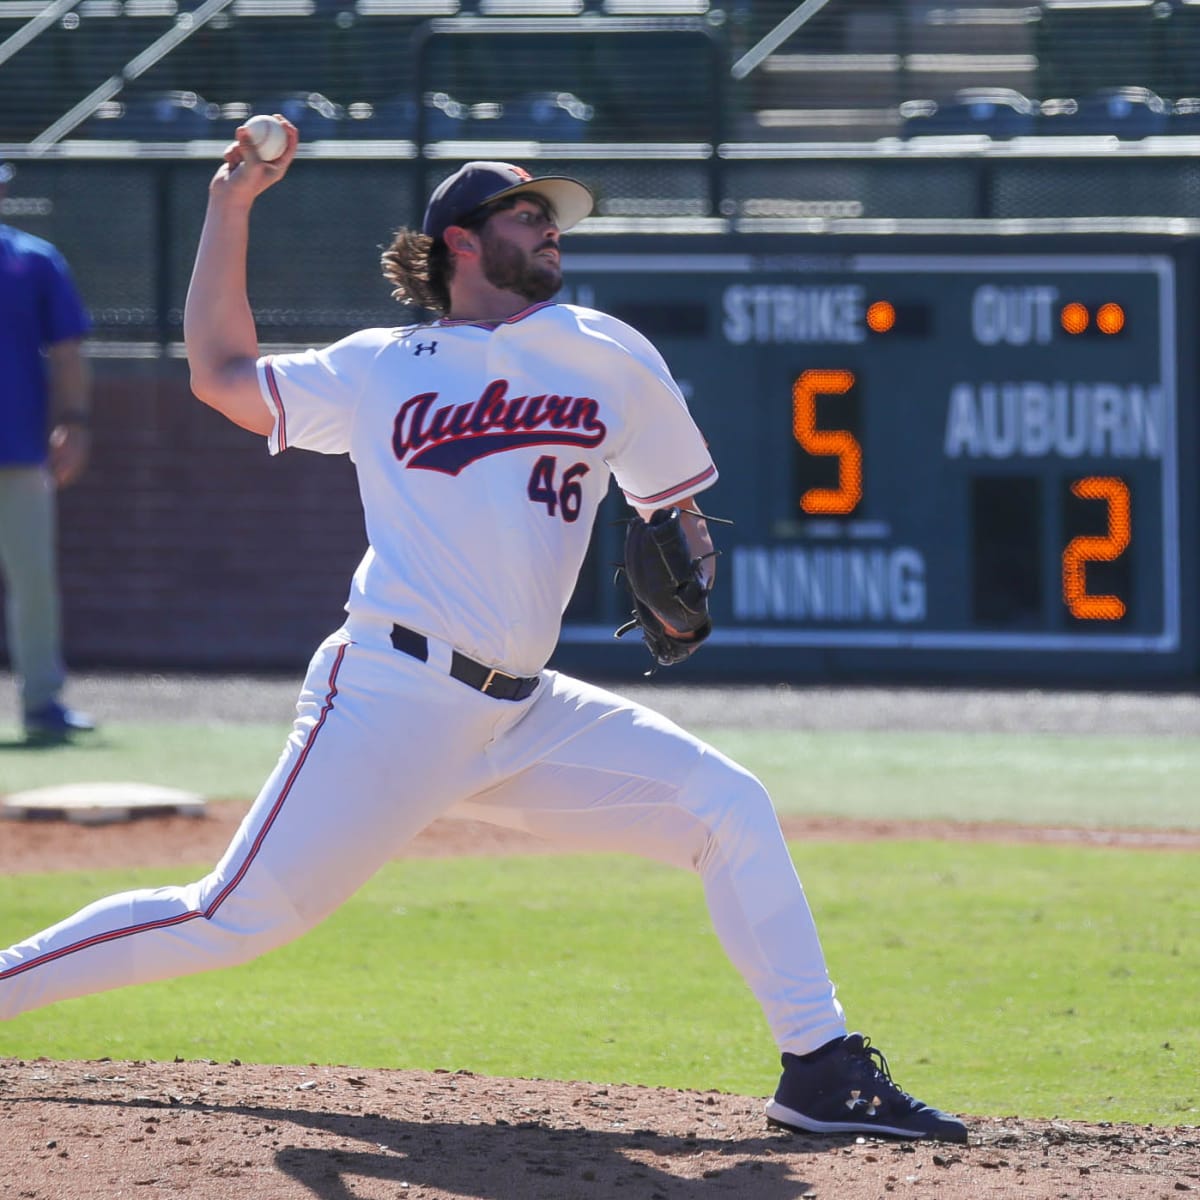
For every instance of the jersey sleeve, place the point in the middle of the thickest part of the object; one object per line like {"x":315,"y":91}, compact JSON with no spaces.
{"x":64,"y":316}
{"x":661,"y":456}
{"x":313,"y":394}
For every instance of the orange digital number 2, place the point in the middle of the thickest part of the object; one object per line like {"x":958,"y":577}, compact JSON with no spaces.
{"x":1082,"y":550}
{"x":826,"y":443}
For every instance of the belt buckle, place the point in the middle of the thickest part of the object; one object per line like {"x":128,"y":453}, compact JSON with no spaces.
{"x":491,"y":677}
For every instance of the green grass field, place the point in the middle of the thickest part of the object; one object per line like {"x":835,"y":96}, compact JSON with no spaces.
{"x":1040,"y":981}
{"x":1037,"y":778}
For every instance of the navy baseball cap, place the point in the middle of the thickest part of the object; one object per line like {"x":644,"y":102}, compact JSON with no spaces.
{"x":479,"y":183}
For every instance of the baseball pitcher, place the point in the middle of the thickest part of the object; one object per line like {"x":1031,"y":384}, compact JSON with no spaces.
{"x":484,"y":440}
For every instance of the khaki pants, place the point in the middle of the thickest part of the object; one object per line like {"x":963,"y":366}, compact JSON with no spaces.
{"x":28,"y":564}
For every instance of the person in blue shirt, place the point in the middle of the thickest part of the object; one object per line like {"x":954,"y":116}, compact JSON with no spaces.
{"x":45,"y":405}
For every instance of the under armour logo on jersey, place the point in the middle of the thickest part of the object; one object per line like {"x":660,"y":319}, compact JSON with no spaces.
{"x":422,"y":347}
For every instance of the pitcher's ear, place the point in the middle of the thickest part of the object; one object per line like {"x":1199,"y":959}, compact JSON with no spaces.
{"x":460,"y":240}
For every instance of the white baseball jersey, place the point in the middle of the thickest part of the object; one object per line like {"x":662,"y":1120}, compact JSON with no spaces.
{"x":483,"y":451}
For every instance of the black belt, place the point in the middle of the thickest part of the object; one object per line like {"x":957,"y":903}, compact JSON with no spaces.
{"x":466,"y":670}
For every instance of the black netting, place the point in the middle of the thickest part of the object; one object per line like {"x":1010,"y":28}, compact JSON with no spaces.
{"x":845,"y":187}
{"x":315,"y":243}
{"x":603,"y":85}
{"x":130,"y":229}
{"x":103,"y":217}
{"x":1095,"y":187}
{"x":1082,"y":48}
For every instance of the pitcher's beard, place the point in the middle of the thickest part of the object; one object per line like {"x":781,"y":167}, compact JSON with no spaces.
{"x":507,"y":268}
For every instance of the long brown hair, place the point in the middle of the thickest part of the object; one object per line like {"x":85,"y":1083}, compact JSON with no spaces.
{"x":419,"y":269}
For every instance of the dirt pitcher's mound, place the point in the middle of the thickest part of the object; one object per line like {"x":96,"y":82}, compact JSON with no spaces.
{"x":168,"y":841}
{"x":212,"y":1131}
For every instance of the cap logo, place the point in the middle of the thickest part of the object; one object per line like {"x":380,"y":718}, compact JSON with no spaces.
{"x":520,"y":172}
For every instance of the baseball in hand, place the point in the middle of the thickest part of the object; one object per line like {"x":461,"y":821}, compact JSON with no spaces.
{"x":268,"y":135}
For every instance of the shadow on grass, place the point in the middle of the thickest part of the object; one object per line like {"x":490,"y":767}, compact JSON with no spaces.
{"x":17,"y":739}
{"x":20,"y":742}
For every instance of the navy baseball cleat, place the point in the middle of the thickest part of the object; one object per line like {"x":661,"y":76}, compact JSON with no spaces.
{"x":55,"y":721}
{"x":847,"y":1088}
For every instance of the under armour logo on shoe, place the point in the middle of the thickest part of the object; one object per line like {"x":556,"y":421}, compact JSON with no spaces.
{"x":856,"y":1102}
{"x":421,"y":348}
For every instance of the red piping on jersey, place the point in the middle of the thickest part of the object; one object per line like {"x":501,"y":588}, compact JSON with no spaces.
{"x":280,"y":416}
{"x":446,"y":322}
{"x":208,"y":913}
{"x":688,"y":485}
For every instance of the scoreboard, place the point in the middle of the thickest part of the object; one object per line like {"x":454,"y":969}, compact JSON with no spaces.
{"x":936,"y":462}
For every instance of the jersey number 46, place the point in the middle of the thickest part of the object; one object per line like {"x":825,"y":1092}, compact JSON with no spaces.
{"x":565,"y":499}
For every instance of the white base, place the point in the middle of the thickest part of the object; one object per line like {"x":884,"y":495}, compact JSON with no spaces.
{"x":100,"y":803}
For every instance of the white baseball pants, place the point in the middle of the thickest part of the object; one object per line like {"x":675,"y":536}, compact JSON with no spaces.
{"x":383,"y":744}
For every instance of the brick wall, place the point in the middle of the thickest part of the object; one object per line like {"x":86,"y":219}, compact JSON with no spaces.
{"x":187,"y":545}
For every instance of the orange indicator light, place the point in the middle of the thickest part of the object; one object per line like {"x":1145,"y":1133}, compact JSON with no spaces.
{"x":1074,"y":317}
{"x":881,"y":316}
{"x":1110,"y":318}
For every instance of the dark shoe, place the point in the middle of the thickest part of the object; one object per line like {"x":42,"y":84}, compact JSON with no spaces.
{"x":849,"y":1089}
{"x":55,"y":721}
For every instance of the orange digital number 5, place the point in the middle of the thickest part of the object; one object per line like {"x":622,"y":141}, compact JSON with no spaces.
{"x":825,"y":443}
{"x":1082,"y":550}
